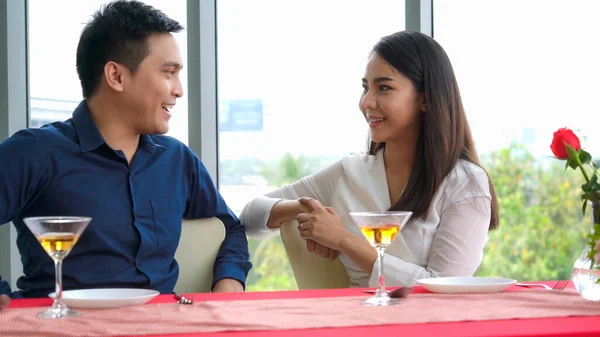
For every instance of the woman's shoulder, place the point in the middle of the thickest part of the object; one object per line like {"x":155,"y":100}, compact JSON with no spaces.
{"x":465,"y":170}
{"x":469,"y":178}
{"x":361,"y":159}
{"x":362,"y":156}
{"x":349,"y":164}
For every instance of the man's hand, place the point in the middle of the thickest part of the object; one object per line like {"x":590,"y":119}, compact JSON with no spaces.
{"x":4,"y":301}
{"x":323,"y":251}
{"x":228,"y":285}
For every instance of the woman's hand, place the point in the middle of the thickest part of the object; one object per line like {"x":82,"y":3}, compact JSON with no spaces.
{"x":321,"y":224}
{"x":324,"y":226}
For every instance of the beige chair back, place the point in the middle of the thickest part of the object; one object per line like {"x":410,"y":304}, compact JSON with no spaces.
{"x":311,"y":271}
{"x":198,"y":247}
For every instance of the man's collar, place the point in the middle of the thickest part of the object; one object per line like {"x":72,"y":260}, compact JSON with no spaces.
{"x":89,"y":135}
{"x":147,"y":143}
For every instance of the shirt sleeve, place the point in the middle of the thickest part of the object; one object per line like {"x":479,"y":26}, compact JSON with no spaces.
{"x":233,"y":258}
{"x":457,"y":248}
{"x":4,"y":287}
{"x":319,"y":186}
{"x":22,"y":172}
{"x":22,"y":176}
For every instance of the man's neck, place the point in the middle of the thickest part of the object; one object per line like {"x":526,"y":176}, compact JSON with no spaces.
{"x":113,"y":127}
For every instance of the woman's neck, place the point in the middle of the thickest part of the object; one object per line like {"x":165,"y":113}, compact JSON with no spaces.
{"x":398,"y":160}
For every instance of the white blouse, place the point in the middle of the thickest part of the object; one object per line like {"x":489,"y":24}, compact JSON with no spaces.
{"x":449,"y":242}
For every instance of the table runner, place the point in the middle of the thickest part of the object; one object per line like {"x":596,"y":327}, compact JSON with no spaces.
{"x":304,"y":313}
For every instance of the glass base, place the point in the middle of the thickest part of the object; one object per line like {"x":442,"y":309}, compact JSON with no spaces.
{"x":58,"y":313}
{"x":587,"y":285}
{"x":382,"y":300}
{"x":586,"y":280}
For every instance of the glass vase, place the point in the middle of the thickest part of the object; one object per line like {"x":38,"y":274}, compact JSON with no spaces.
{"x":586,"y":272}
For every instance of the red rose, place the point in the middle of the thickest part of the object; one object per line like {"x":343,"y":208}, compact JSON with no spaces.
{"x":562,"y":138}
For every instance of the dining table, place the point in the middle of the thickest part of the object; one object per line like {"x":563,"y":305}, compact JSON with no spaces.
{"x":515,"y":312}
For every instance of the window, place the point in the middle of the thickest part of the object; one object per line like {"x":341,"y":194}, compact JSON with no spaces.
{"x":53,"y":83}
{"x":289,"y":78}
{"x":526,"y":68}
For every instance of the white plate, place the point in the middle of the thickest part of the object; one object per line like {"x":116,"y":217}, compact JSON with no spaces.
{"x":466,"y":284}
{"x":106,"y":298}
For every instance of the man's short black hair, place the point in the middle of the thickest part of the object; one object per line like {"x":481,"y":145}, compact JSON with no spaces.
{"x":118,"y":32}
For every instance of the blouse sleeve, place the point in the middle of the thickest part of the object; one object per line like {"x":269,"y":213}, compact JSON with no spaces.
{"x":457,"y":248}
{"x":320,"y":186}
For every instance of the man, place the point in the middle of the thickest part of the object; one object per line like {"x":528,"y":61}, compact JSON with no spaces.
{"x":110,"y":162}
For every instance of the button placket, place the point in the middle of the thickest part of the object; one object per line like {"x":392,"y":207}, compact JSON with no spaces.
{"x":136,"y":216}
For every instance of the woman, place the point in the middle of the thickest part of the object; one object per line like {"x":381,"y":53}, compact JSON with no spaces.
{"x":421,"y":158}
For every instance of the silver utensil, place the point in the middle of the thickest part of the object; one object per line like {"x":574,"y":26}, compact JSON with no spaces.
{"x":545,"y":286}
{"x":560,"y":285}
{"x":181,"y":299}
{"x":396,"y":293}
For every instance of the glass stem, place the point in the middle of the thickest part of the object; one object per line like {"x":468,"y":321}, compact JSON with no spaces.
{"x":381,"y":287}
{"x":58,"y":300}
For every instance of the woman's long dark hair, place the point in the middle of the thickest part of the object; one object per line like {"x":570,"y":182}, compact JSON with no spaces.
{"x":445,"y":136}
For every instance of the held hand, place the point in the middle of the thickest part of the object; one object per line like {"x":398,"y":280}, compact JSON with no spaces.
{"x":323,"y":251}
{"x":228,"y":285}
{"x":4,"y":301}
{"x":284,"y":210}
{"x":322,"y":224}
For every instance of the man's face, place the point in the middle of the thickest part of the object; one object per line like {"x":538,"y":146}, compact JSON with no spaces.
{"x":150,"y":93}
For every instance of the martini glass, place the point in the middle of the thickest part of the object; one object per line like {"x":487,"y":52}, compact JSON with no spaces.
{"x":380,"y":229}
{"x":57,"y":235}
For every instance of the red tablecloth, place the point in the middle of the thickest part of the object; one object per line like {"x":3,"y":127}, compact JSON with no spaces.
{"x":564,"y":326}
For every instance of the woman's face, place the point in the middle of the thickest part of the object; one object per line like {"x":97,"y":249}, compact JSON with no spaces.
{"x":389,"y":102}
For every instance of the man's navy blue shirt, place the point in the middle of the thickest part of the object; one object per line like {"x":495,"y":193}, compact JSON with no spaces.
{"x":67,"y":169}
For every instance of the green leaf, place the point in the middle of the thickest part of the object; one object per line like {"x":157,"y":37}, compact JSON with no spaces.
{"x":584,"y":157}
{"x":591,"y":196}
{"x":572,"y":164}
{"x":591,"y":185}
{"x":573,"y":155}
{"x":594,"y":186}
{"x":584,"y":206}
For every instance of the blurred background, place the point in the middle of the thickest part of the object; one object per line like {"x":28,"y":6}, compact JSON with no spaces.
{"x":284,"y":79}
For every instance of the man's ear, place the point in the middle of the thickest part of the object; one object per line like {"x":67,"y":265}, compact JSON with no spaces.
{"x":115,"y":74}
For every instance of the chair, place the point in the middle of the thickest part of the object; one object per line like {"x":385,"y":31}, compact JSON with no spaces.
{"x":198,"y":247}
{"x":311,"y":271}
